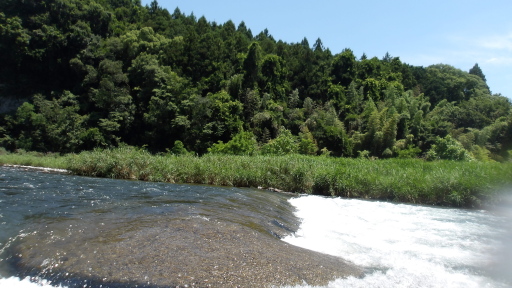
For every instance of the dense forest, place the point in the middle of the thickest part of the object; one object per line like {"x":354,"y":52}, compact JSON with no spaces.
{"x":81,"y":74}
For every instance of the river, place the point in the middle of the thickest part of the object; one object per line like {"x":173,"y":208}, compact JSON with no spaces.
{"x":60,"y":230}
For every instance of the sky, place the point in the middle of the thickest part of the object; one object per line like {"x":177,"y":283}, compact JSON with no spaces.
{"x":422,"y":33}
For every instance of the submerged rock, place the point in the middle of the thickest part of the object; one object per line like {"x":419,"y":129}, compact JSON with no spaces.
{"x":163,"y":252}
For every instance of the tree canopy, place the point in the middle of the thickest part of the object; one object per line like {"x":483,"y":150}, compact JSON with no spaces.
{"x":101,"y":73}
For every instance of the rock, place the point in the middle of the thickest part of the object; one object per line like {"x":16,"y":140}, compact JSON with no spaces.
{"x":187,"y":252}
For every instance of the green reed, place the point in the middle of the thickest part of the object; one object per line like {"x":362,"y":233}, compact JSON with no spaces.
{"x":33,"y":159}
{"x":404,"y":180}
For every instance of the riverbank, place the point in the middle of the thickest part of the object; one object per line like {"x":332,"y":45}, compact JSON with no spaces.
{"x":43,"y":169}
{"x":445,"y":183}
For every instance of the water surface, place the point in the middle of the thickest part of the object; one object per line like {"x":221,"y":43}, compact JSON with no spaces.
{"x":59,"y":229}
{"x":403,"y":245}
{"x":88,"y":232}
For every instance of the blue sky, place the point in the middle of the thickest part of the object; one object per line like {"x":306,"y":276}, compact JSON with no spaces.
{"x":455,"y":32}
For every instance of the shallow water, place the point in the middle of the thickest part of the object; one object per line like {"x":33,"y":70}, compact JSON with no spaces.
{"x":59,"y":229}
{"x":86,"y":232}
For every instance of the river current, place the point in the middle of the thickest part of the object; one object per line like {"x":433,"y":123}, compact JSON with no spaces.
{"x":59,"y":230}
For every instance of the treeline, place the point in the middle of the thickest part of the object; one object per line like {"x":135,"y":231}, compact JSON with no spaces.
{"x":104,"y":73}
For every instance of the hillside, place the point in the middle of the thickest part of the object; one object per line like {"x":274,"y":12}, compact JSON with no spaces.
{"x":101,"y":73}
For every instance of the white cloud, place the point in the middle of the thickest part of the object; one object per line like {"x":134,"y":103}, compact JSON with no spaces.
{"x":497,"y":42}
{"x":505,"y":61}
{"x":493,"y":50}
{"x":422,"y":59}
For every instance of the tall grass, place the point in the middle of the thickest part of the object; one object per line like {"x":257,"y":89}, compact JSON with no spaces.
{"x":33,"y":159}
{"x":405,"y":180}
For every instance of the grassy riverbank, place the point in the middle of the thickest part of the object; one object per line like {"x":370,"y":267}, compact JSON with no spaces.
{"x":405,"y":180}
{"x":34,"y":159}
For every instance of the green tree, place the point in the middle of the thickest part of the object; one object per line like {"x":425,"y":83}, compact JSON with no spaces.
{"x":273,"y":72}
{"x":111,"y":106}
{"x":252,"y":66}
{"x":243,"y":143}
{"x":344,"y":68}
{"x":307,"y":143}
{"x":15,"y":41}
{"x":390,"y":131}
{"x":166,"y":118}
{"x":447,"y":82}
{"x":145,"y":40}
{"x":329,"y":131}
{"x":213,"y":118}
{"x":449,"y":149}
{"x":179,"y":149}
{"x":284,"y":143}
{"x":355,"y":98}
{"x":51,"y":125}
{"x":475,"y":70}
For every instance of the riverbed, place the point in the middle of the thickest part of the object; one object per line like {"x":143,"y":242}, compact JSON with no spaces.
{"x":62,"y":230}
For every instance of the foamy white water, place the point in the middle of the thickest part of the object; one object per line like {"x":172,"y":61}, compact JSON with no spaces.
{"x":405,"y":245}
{"x":14,"y":282}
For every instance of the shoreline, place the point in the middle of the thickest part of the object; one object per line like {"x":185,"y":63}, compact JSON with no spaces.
{"x":439,"y":183}
{"x":64,"y":171}
{"x":42,"y":169}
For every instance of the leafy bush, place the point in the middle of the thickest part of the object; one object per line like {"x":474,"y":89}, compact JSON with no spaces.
{"x":3,"y":151}
{"x":179,"y":148}
{"x":307,"y":143}
{"x":284,"y":144}
{"x":481,"y":153}
{"x":387,"y":153}
{"x":410,"y":152}
{"x":365,"y":154}
{"x":243,"y":143}
{"x":448,"y":148}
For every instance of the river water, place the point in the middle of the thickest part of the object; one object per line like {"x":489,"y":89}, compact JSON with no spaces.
{"x":59,"y":230}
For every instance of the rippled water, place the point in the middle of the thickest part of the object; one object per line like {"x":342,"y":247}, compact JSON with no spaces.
{"x":397,"y":245}
{"x":40,"y":213}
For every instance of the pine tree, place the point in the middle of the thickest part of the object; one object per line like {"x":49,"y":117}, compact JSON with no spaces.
{"x":251,"y":66}
{"x":478,"y":72}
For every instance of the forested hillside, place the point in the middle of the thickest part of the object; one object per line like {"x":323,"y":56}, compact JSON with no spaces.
{"x":104,"y":73}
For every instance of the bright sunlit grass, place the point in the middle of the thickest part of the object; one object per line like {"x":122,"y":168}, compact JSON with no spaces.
{"x":405,"y":180}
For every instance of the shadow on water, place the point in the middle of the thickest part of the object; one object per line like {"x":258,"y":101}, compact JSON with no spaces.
{"x":74,"y":280}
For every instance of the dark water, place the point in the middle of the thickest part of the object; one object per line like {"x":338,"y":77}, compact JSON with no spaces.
{"x":91,"y":232}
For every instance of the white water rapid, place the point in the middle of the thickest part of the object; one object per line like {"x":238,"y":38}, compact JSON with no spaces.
{"x":407,"y":245}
